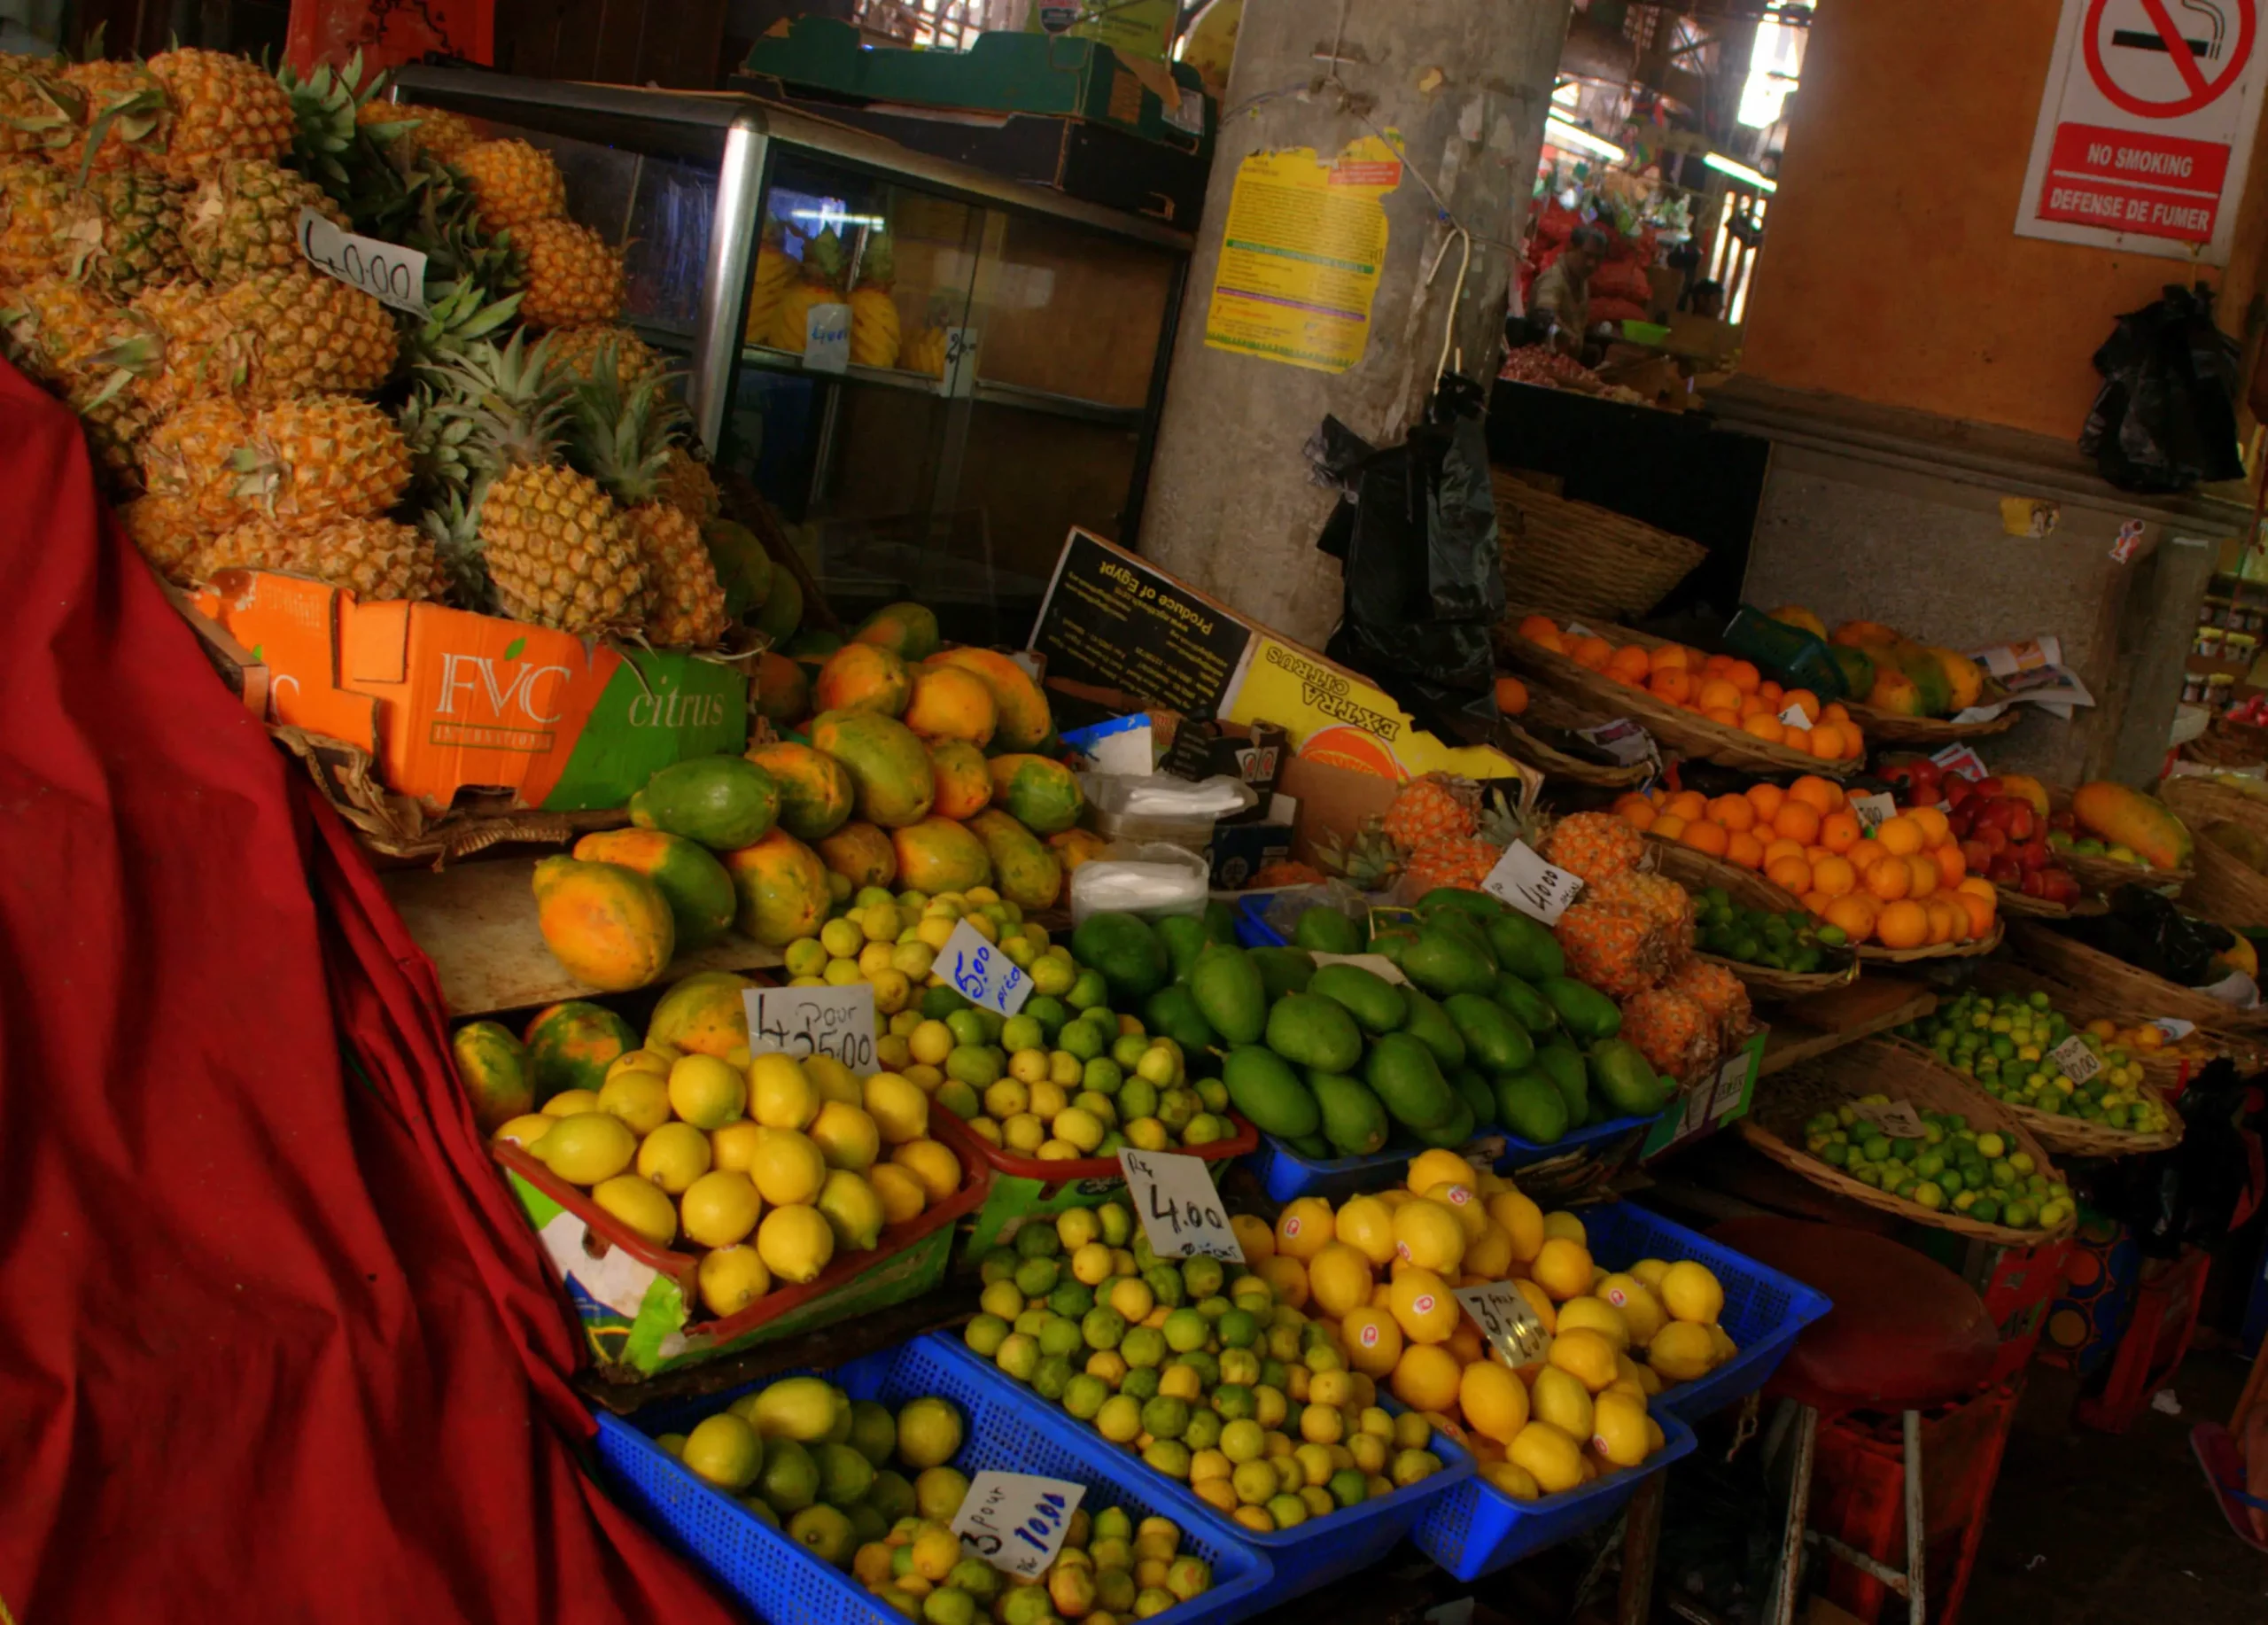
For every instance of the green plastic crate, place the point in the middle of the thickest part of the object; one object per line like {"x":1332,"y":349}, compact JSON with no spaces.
{"x":1789,"y":653}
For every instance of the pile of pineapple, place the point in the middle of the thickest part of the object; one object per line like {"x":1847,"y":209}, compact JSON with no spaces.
{"x":511,"y":450}
{"x":797,"y":272}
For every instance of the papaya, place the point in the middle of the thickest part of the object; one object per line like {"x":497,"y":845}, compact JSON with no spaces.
{"x":1430,"y":1026}
{"x":1075,"y":847}
{"x":1023,"y":870}
{"x":744,"y":568}
{"x":609,"y":925}
{"x":964,"y":780}
{"x":783,"y":691}
{"x":950,"y":702}
{"x":1126,"y":951}
{"x":1020,"y":704}
{"x":702,"y":1014}
{"x":1864,"y":635}
{"x":1043,"y":795}
{"x":1228,"y":988}
{"x":1353,"y":1120}
{"x":1796,"y":615}
{"x":938,"y":854}
{"x":816,"y":793}
{"x":863,"y":676}
{"x":493,"y":1066}
{"x":1408,"y":1081}
{"x":2127,"y":818}
{"x":896,"y":784}
{"x":724,"y":801}
{"x":570,"y":1046}
{"x":1928,"y":677}
{"x":1964,"y":676}
{"x":1856,"y":667}
{"x":907,"y":630}
{"x":782,"y":886}
{"x":1262,"y":1085}
{"x":1493,"y":1039}
{"x":1895,"y":692}
{"x":692,"y":881}
{"x":861,"y":854}
{"x":1315,"y":1032}
{"x":783,"y":607}
{"x":1368,"y":996}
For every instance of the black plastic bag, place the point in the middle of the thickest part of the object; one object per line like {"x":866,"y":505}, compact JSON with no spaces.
{"x":1415,"y":532}
{"x":2146,"y":931}
{"x":2202,"y":1189}
{"x":2165,"y":417}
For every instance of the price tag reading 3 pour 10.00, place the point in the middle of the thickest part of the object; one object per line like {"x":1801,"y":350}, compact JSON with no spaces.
{"x":981,"y":972}
{"x":388,"y":272}
{"x":1181,"y":1212}
{"x":1507,"y":1320}
{"x":1016,"y":1522}
{"x":2075,"y":1060}
{"x":1531,"y":885}
{"x":803,"y":1021}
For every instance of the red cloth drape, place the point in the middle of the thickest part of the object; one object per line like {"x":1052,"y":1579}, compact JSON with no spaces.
{"x":275,"y":1344}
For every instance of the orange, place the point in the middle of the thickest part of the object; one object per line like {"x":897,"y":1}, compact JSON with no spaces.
{"x":1734,"y":811}
{"x":1627,"y":800}
{"x":1669,"y":657}
{"x":1766,"y":726}
{"x":1838,"y":832}
{"x":1976,"y":885}
{"x":1718,"y":694}
{"x":1640,"y":816}
{"x":1775,"y":850}
{"x":1789,"y":873}
{"x":1865,"y":854}
{"x":1716,"y":665}
{"x":1627,"y":665}
{"x":1798,"y":820}
{"x":1823,"y":795}
{"x":1833,"y":711}
{"x":1673,"y":683}
{"x":1834,"y":875}
{"x":1947,"y":920}
{"x":1766,"y":798}
{"x":1923,"y":869}
{"x":1827,"y":742}
{"x":1903,"y":925}
{"x":1512,"y":694}
{"x":1855,"y":915}
{"x":1798,"y":740}
{"x":1743,"y":676}
{"x":1815,"y":855}
{"x":1744,"y":850}
{"x":1753,"y":705}
{"x":1725,"y":714}
{"x":1935,"y":829}
{"x":1668,"y":826}
{"x":1593,"y":651}
{"x":1771,"y":694}
{"x":1901,"y":835}
{"x":1816,"y":902}
{"x":1706,"y":836}
{"x":1538,"y":627}
{"x":1689,"y":804}
{"x":1950,"y":865}
{"x":1805,"y":699}
{"x":1889,"y":879}
{"x":1980,"y":919}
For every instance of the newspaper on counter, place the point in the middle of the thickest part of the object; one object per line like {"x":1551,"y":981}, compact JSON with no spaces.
{"x":2034,"y":673}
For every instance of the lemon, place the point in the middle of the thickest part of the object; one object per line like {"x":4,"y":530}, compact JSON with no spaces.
{"x":1628,"y":1369}
{"x":1288,"y":1278}
{"x":1561,"y":1267}
{"x":903,"y":1196}
{"x":642,"y":1099}
{"x":1548,"y":1454}
{"x":781,"y":1095}
{"x":1596,"y":1315}
{"x":1428,"y":1235}
{"x":1372,"y":1339}
{"x":1650,"y":1271}
{"x":1488,"y":1256}
{"x":852,"y":1210}
{"x":1641,"y":1310}
{"x":706,"y":1093}
{"x":900,"y":1110}
{"x":1366,"y":1224}
{"x":587,"y":1148}
{"x":787,"y":1168}
{"x":673,"y":1157}
{"x":1618,"y":1429}
{"x":639,"y":1204}
{"x":1680,"y":1352}
{"x":1429,"y":1168}
{"x":1304,"y":1228}
{"x":803,"y":1409}
{"x":1522,"y":1220}
{"x":1512,"y":1479}
{"x":639,"y":1061}
{"x":1567,"y":1226}
{"x":1423,"y":1306}
{"x":932,"y":1163}
{"x":1721,"y":1347}
{"x":1256,"y":1238}
{"x":1540,"y":1300}
{"x":569,"y":1102}
{"x":730,"y":1279}
{"x":525,"y":1129}
{"x":732,"y":1148}
{"x":929,"y":1432}
{"x":832,"y":1079}
{"x":725,"y":1450}
{"x":930,"y":1042}
{"x":719,"y":1209}
{"x":1426,"y":1377}
{"x":1338,"y":1279}
{"x":846,"y":1137}
{"x":1492,"y":1401}
{"x":796,"y":1243}
{"x":1464,"y":1204}
{"x":1584,"y":1355}
{"x":1690,"y":1292}
{"x":1558,"y":1397}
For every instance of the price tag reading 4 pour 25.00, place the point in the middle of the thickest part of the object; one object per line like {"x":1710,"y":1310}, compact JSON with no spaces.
{"x":1531,"y":885}
{"x":1507,"y":1320}
{"x":981,"y":972}
{"x":2075,"y":1060}
{"x":1016,"y":1522}
{"x":803,"y":1021}
{"x":388,"y":272}
{"x":1180,"y":1210}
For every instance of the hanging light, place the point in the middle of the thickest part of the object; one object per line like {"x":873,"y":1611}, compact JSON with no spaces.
{"x":1741,"y":172}
{"x":1559,"y":133}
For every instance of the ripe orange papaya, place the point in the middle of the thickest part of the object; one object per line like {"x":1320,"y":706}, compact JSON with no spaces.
{"x":939,"y":855}
{"x":949,"y":702}
{"x":863,"y":676}
{"x":1025,"y":871}
{"x":692,"y":881}
{"x":571,"y":1045}
{"x":895,"y":783}
{"x":907,"y":630}
{"x":963,"y":779}
{"x":783,"y":691}
{"x":861,"y":854}
{"x":2127,"y":818}
{"x":816,"y":793}
{"x":1025,"y":721}
{"x":493,"y":1066}
{"x":703,"y":1015}
{"x":609,"y":925}
{"x":782,"y":886}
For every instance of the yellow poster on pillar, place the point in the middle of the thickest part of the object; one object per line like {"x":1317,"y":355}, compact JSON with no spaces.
{"x":1300,"y":255}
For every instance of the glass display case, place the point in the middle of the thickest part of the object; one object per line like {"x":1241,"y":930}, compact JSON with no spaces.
{"x":932,"y":373}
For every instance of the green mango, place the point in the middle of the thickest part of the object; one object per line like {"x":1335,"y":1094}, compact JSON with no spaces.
{"x":1526,"y":947}
{"x":1314,"y":1031}
{"x":1354,"y":1121}
{"x":1283,"y":970}
{"x":1231,"y":992}
{"x":1493,"y":1038}
{"x":1531,"y":1106}
{"x":1626,"y":1079}
{"x":1430,"y":1026}
{"x":1326,"y":931}
{"x":1563,"y":1063}
{"x":1407,"y":1079}
{"x":1172,"y":1013}
{"x":1587,"y":1013}
{"x":1262,"y":1085}
{"x":1369,"y":998}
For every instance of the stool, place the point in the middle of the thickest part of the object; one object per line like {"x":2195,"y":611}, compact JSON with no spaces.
{"x":1905,"y":1334}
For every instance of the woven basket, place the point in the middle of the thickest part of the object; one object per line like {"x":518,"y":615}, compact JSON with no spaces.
{"x":1576,"y":559}
{"x":1774,"y":1123}
{"x":2014,"y":903}
{"x":1555,"y":711}
{"x":2065,"y":1136}
{"x":2126,"y":988}
{"x":2168,"y":1070}
{"x":1697,"y":871}
{"x":2103,"y":875}
{"x":2224,"y":889}
{"x":1875,"y":954}
{"x":1891,"y":729}
{"x":2198,"y":802}
{"x":1679,"y":730}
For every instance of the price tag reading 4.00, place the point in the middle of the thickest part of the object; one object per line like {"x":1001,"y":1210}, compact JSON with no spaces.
{"x":1016,"y":1522}
{"x":981,"y":972}
{"x":1507,"y":1320}
{"x":1180,"y":1210}
{"x":1531,"y":885}
{"x":2075,"y":1060}
{"x":803,"y":1021}
{"x":388,"y":272}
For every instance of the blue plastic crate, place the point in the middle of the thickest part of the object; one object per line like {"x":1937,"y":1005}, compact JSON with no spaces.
{"x":1476,"y":1530}
{"x":1305,"y":1559}
{"x":1007,"y":1432}
{"x":1519,"y":1152}
{"x":1252,"y":930}
{"x":1284,"y":1173}
{"x":1764,"y":1310}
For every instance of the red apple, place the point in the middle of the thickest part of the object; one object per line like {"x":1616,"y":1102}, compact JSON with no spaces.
{"x":1995,"y":838}
{"x":1990,"y":786}
{"x":2004,"y":871}
{"x":2033,"y":886}
{"x":2034,"y":854}
{"x":1958,"y":790}
{"x":1976,"y":855}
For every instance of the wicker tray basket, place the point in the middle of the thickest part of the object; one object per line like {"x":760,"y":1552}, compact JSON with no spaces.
{"x":1697,"y":871}
{"x":1875,"y":954}
{"x":2015,"y":904}
{"x":2162,"y":1082}
{"x":1675,"y":729}
{"x":2168,"y":1071}
{"x":2125,"y":987}
{"x":1578,"y":559}
{"x":1555,"y":711}
{"x":2065,"y":1136}
{"x":1774,"y":1123}
{"x":2198,"y":801}
{"x":1891,"y":728}
{"x":2103,"y":875}
{"x":2226,"y":889}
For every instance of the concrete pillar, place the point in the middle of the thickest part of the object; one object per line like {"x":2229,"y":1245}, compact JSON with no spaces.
{"x":1465,"y":84}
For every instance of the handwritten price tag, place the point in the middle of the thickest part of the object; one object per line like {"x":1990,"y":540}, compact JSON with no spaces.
{"x":1506,"y":1319}
{"x":1531,"y":885}
{"x":2174,"y":1028}
{"x":1795,"y":716}
{"x":1873,"y":808}
{"x":827,"y":339}
{"x":803,"y":1021}
{"x":1180,"y":1210}
{"x":960,"y":381}
{"x":983,"y":974}
{"x":1897,"y":1118}
{"x":1016,"y":1522}
{"x":387,"y":272}
{"x":1623,"y":739}
{"x":2075,"y":1060}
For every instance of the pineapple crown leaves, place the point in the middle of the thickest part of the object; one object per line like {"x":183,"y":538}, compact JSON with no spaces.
{"x":437,"y":439}
{"x":61,"y":108}
{"x":623,"y":438}
{"x":458,"y":314}
{"x":451,"y":524}
{"x":517,"y":403}
{"x":324,"y":104}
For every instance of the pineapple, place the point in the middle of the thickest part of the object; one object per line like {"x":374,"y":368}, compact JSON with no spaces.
{"x":686,"y":484}
{"x":168,"y":532}
{"x":123,"y":233}
{"x":1437,"y":807}
{"x":1665,"y":903}
{"x":874,"y":314}
{"x":575,"y":353}
{"x":684,"y":602}
{"x":429,"y":130}
{"x":624,"y":436}
{"x":186,"y":460}
{"x":33,"y":201}
{"x":59,"y":330}
{"x":821,"y":283}
{"x":573,"y":275}
{"x":1464,"y":860}
{"x":376,"y":559}
{"x":776,"y":271}
{"x":925,"y":351}
{"x":120,"y":119}
{"x":245,"y":219}
{"x":1593,"y":845}
{"x":180,"y":349}
{"x":1719,"y":992}
{"x":514,"y":185}
{"x":327,"y":456}
{"x":223,"y":107}
{"x":1673,"y":1030}
{"x":35,"y":117}
{"x":1370,"y":862}
{"x":1611,"y":946}
{"x":307,"y":334}
{"x":118,"y":416}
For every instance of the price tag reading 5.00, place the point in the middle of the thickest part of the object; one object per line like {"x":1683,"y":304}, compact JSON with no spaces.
{"x":1180,"y":1210}
{"x":803,"y":1021}
{"x":1507,"y":1320}
{"x":1531,"y":885}
{"x":1016,"y":1522}
{"x":981,"y":972}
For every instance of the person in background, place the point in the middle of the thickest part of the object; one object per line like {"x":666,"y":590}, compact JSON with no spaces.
{"x":1705,"y":299}
{"x":1562,"y":293}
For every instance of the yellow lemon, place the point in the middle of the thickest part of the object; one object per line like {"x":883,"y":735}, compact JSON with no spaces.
{"x":639,"y":1204}
{"x":675,"y":1156}
{"x":846,"y":1137}
{"x":1650,"y":1271}
{"x":1492,"y":1401}
{"x":1288,"y":1277}
{"x":1549,"y":1455}
{"x":1366,"y":1224}
{"x":1304,"y":1228}
{"x":720,"y":1209}
{"x":1556,"y":1397}
{"x":1488,"y":1256}
{"x":1540,"y":1300}
{"x":1561,"y":1267}
{"x":1721,"y":1347}
{"x":1640,"y":1310}
{"x":786,"y":1167}
{"x":1690,"y":1293}
{"x":1585,"y":1356}
{"x":732,"y":1148}
{"x":1429,"y":1168}
{"x":1628,"y":1369}
{"x":931,"y":1162}
{"x":1372,"y":1339}
{"x":1680,"y":1351}
{"x":730,"y":1279}
{"x":781,"y":1094}
{"x":525,"y":1129}
{"x":832,"y":1079}
{"x":1338,"y":1279}
{"x":1521,"y":1219}
{"x":852,"y":1210}
{"x":1618,"y":1429}
{"x":642,"y":1099}
{"x":1655,"y":1438}
{"x":1428,"y":1235}
{"x":1567,"y":1227}
{"x":794,"y":1243}
{"x":899,"y":1108}
{"x":1596,"y":1315}
{"x":904,"y":1196}
{"x":587,"y":1148}
{"x":705,"y":1091}
{"x":571,"y":1102}
{"x":640,"y":1060}
{"x":1512,"y":1479}
{"x":1464,"y":1205}
{"x":1425,"y":1378}
{"x":1423,"y":1306}
{"x":1254,"y":1236}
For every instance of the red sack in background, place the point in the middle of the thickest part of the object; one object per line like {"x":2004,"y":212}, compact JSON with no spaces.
{"x":1621,"y":279}
{"x":1616,"y":310}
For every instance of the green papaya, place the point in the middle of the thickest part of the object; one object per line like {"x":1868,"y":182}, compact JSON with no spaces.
{"x":1526,"y":947}
{"x":1444,"y":963}
{"x":1430,"y":1026}
{"x":1369,"y":998}
{"x":1457,"y":1128}
{"x":1529,"y":1007}
{"x":1530,"y":1105}
{"x":1230,"y":990}
{"x":723,"y":802}
{"x":1354,"y":1121}
{"x":1625,"y":1079}
{"x":1314,"y":1031}
{"x":1493,"y":1039}
{"x":1587,"y":1013}
{"x":1172,"y":1013}
{"x":1326,"y":931}
{"x":1262,"y":1085}
{"x":1408,"y":1081}
{"x":1283,"y":970}
{"x":1563,"y":1063}
{"x":1479,"y":904}
{"x":1473,"y":1090}
{"x":1184,"y":938}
